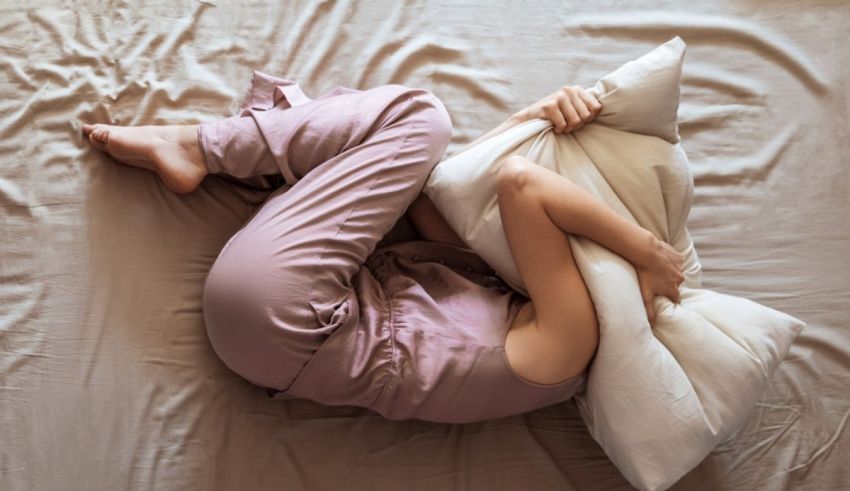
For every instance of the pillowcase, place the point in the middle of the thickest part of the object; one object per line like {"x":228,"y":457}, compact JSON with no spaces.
{"x":657,"y":401}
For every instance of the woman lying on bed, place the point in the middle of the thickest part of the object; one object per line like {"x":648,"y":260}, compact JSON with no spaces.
{"x":303,"y":302}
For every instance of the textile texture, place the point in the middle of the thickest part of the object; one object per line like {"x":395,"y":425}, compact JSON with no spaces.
{"x":658,"y":399}
{"x":108,"y":379}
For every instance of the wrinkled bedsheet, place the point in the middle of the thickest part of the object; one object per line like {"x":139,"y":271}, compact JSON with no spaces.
{"x":107,"y":380}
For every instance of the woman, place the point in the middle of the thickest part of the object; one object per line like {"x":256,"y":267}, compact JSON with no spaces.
{"x":304,"y":299}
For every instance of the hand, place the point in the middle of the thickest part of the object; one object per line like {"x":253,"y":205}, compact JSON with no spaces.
{"x":569,"y":108}
{"x":660,"y":273}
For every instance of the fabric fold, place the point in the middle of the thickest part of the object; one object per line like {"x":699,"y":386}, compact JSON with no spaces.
{"x":267,"y":91}
{"x":709,"y":358}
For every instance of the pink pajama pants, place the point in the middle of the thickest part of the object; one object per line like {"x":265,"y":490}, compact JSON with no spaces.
{"x":289,"y":304}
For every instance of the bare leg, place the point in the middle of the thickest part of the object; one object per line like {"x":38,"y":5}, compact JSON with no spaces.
{"x":173,"y":152}
{"x":555,"y":335}
{"x":430,"y":224}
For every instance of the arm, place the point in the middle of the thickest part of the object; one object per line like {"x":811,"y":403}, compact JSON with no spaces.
{"x":512,"y":121}
{"x":569,"y":109}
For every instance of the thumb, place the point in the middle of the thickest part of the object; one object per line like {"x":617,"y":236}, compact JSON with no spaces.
{"x":647,"y":296}
{"x":650,"y":313}
{"x":673,"y":293}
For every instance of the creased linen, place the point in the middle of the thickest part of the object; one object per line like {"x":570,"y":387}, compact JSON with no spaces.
{"x":107,"y":378}
{"x":657,"y":401}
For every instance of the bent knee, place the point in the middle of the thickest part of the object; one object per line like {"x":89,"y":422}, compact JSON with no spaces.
{"x":244,"y":306}
{"x":231,"y":310}
{"x":439,"y":121}
{"x":428,"y":110}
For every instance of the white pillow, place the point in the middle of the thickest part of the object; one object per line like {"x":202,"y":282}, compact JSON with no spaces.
{"x":657,"y":401}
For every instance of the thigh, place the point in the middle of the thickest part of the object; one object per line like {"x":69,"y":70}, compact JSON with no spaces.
{"x":283,"y":283}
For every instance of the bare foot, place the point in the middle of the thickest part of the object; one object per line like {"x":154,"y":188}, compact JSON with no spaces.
{"x":172,"y":151}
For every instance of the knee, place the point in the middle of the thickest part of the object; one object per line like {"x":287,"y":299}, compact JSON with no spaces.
{"x":426,"y":109}
{"x":230,"y":307}
{"x":233,"y":283}
{"x":516,"y":175}
{"x":241,"y":302}
{"x":439,"y":121}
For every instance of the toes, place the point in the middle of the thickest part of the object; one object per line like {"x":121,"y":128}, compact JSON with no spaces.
{"x":101,"y":134}
{"x":100,"y":145}
{"x":98,"y":135}
{"x":98,"y":131}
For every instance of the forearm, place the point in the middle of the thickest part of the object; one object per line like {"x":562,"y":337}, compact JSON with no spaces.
{"x":512,"y":121}
{"x":578,"y":212}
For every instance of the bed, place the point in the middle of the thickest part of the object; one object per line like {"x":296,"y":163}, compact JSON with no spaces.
{"x":107,"y":379}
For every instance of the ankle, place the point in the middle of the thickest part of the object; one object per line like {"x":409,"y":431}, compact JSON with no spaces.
{"x":189,"y":141}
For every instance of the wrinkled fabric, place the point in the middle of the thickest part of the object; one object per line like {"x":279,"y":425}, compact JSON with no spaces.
{"x":658,"y":399}
{"x":300,"y":301}
{"x":107,"y":378}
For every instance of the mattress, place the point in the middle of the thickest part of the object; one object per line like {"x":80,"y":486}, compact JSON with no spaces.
{"x":107,"y":379}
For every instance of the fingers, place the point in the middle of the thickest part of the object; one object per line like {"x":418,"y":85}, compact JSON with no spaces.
{"x":676,"y":296}
{"x":592,"y":103}
{"x":580,"y":107}
{"x":650,"y":313}
{"x":569,"y":112}
{"x":647,"y":296}
{"x":577,"y":107}
{"x":680,"y":278}
{"x":553,"y":112}
{"x":671,"y":290}
{"x":569,"y":108}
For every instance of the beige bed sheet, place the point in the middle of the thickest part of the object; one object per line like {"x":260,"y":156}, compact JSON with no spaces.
{"x":107,"y":380}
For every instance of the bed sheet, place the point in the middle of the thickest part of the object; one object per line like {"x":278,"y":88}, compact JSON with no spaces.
{"x":107,"y":379}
